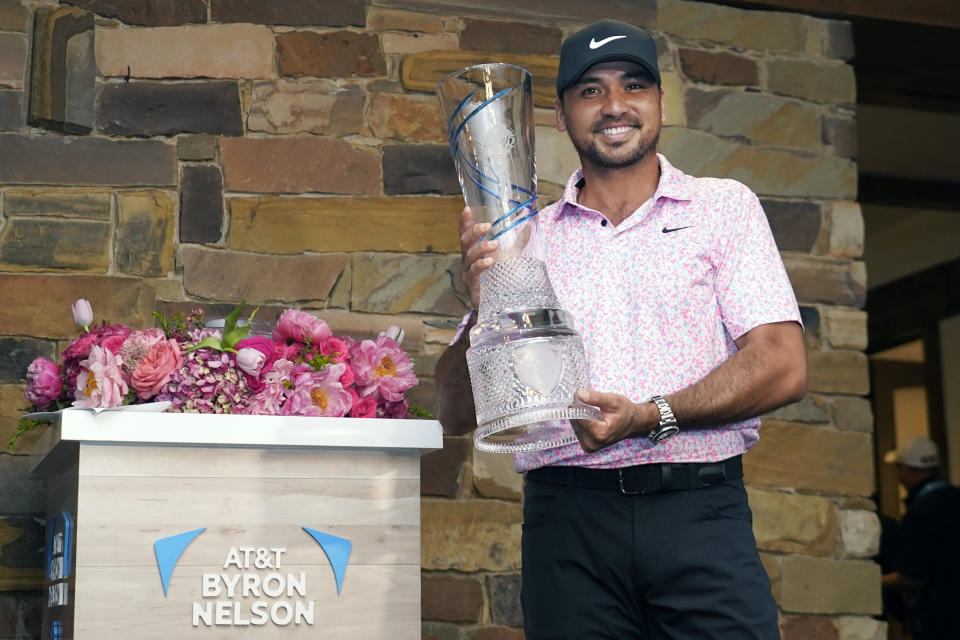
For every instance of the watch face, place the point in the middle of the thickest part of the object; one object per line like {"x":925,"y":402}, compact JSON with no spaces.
{"x":663,"y":434}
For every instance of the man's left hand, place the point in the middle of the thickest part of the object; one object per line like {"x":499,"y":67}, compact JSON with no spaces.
{"x":622,"y":418}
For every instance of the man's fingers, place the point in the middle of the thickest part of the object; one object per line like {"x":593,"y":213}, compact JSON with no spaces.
{"x":477,"y":267}
{"x":604,"y":401}
{"x":466,"y":220}
{"x":472,"y":236}
{"x":480,"y":250}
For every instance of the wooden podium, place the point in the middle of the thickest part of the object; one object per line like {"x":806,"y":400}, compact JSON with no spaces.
{"x":210,"y":526}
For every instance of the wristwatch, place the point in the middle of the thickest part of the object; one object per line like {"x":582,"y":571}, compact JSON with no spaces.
{"x":667,"y":427}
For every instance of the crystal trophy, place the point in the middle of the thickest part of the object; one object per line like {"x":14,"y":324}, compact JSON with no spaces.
{"x":526,"y":359}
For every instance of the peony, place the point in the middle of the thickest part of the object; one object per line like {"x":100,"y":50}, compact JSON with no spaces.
{"x":82,"y":313}
{"x":71,"y":357}
{"x":269,"y":399}
{"x":382,"y":366}
{"x":337,"y":349}
{"x":44,"y":384}
{"x":100,"y":382}
{"x":155,"y":368}
{"x":299,"y":326}
{"x":395,"y":410}
{"x":317,"y":393}
{"x":349,"y":376}
{"x":364,"y":408}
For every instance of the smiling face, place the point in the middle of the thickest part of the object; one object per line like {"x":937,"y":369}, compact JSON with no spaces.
{"x":613,"y":114}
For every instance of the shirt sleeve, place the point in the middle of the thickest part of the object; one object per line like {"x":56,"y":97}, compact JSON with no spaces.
{"x":460,"y":327}
{"x":752,"y":283}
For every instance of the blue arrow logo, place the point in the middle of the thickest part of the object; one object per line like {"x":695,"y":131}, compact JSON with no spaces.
{"x":337,"y":550}
{"x":169,"y":550}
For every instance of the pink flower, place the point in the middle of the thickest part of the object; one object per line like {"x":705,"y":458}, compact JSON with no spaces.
{"x":287,"y":351}
{"x":336,"y":348}
{"x":43,"y":383}
{"x":208,"y":381}
{"x":155,"y":369}
{"x":349,"y":376}
{"x":317,"y":393}
{"x":300,"y":327}
{"x":364,"y":408}
{"x":261,"y":345}
{"x":80,"y":348}
{"x":82,"y":313}
{"x":136,"y":346}
{"x":255,"y":357}
{"x":382,"y":366}
{"x":100,"y":382}
{"x":395,"y":410}
{"x":269,"y":399}
{"x":113,"y":344}
{"x":250,"y":360}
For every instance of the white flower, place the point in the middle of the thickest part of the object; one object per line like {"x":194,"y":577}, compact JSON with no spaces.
{"x":251,"y":360}
{"x":82,"y":313}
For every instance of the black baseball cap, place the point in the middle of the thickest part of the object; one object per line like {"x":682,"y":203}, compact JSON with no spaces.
{"x":601,"y":42}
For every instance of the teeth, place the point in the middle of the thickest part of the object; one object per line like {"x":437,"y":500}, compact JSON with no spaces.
{"x":615,"y":130}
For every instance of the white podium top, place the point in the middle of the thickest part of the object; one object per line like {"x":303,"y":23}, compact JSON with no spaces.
{"x":131,"y":426}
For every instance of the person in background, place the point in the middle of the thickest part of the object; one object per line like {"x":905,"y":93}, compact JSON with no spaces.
{"x":927,"y":558}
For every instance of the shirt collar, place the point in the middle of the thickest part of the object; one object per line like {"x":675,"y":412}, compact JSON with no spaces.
{"x":674,"y":185}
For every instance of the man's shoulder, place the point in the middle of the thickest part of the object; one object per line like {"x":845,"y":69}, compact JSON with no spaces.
{"x":714,"y":189}
{"x":675,"y":180}
{"x":936,"y":504}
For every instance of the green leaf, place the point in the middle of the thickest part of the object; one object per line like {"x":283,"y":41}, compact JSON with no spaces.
{"x":210,"y":342}
{"x":24,"y":426}
{"x":162,"y":321}
{"x":422,"y":413}
{"x":232,"y":334}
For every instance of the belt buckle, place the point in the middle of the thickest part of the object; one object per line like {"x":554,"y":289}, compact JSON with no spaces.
{"x":623,"y":490}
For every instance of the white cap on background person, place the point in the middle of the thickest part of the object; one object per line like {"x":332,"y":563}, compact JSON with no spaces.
{"x":918,"y":453}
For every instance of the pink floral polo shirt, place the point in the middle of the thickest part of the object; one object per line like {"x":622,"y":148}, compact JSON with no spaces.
{"x":660,"y":299}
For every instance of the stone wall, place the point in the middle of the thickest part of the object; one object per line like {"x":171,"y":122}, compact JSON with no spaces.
{"x":165,"y":154}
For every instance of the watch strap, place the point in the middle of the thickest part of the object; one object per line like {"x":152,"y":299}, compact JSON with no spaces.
{"x":667,"y":427}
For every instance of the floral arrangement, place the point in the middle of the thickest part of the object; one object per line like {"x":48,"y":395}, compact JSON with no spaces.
{"x":302,"y":369}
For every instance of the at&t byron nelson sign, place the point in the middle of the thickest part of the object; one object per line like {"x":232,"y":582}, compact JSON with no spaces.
{"x":252,"y":588}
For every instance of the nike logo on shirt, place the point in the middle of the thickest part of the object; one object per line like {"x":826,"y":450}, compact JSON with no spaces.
{"x":666,"y":230}
{"x":596,"y":45}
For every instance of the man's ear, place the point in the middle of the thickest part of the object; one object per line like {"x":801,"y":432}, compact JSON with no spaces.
{"x":663,"y":109}
{"x":558,"y":111}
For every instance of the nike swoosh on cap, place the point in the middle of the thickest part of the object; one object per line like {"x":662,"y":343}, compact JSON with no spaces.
{"x":596,"y":45}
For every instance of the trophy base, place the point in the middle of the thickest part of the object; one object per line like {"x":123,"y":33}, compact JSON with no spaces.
{"x":534,"y":430}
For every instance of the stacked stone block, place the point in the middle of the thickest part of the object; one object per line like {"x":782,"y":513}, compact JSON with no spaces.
{"x":291,"y":153}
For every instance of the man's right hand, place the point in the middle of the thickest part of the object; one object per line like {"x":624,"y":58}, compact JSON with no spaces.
{"x":477,"y":253}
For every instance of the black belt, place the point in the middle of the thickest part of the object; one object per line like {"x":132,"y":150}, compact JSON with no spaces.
{"x":644,"y":478}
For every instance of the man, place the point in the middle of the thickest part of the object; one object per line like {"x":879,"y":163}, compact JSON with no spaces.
{"x":927,"y":559}
{"x":688,"y":321}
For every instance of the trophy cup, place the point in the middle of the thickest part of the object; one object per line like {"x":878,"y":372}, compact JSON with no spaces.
{"x":526,"y":359}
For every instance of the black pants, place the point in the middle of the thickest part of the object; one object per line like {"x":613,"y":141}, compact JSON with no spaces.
{"x":667,"y":565}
